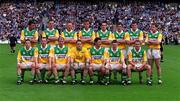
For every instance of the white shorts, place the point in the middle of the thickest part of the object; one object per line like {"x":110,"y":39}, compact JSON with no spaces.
{"x":124,"y":53}
{"x":79,"y":65}
{"x":43,"y":66}
{"x":26,"y":65}
{"x":153,"y":54}
{"x":113,"y":66}
{"x":60,"y":66}
{"x":130,"y":48}
{"x":96,"y":66}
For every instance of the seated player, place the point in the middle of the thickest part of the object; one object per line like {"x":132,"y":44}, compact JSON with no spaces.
{"x":26,"y":60}
{"x":138,"y":61}
{"x":115,"y":61}
{"x":44,"y":60}
{"x":79,"y":61}
{"x":97,"y":62}
{"x":61,"y":60}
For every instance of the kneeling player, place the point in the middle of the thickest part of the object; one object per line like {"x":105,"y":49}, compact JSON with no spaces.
{"x":61,"y":60}
{"x":79,"y":61}
{"x":44,"y":60}
{"x":138,"y":62}
{"x":115,"y":61}
{"x":97,"y":54}
{"x":26,"y":60}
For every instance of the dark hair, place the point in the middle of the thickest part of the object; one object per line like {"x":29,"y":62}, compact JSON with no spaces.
{"x":70,"y":22}
{"x":103,"y":22}
{"x":31,"y":22}
{"x":27,"y":40}
{"x":86,"y":20}
{"x":96,"y":40}
{"x":155,"y":24}
{"x":60,"y":38}
{"x":50,"y":20}
{"x":114,"y":41}
{"x":119,"y":23}
{"x":44,"y":38}
{"x":78,"y":41}
{"x":134,"y":22}
{"x":137,"y":41}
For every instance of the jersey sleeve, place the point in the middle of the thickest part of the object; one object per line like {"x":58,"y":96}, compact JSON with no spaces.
{"x":22,"y":35}
{"x":127,"y":36}
{"x":160,"y":38}
{"x":93,"y":35}
{"x":43,"y":34}
{"x":19,"y":56}
{"x":147,"y":38}
{"x":141,"y":36}
{"x":87,"y":54}
{"x":145,"y":56}
{"x":62,"y":35}
{"x":122,"y":56}
{"x":72,"y":55}
{"x":57,"y":34}
{"x":51,"y":53}
{"x":111,"y":36}
{"x":75,"y":36}
{"x":130,"y":56}
{"x":36,"y":52}
{"x":36,"y":35}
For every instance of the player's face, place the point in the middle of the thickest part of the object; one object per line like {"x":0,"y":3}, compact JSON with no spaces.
{"x":98,"y":44}
{"x":61,"y":41}
{"x":28,"y":44}
{"x":153,"y":28}
{"x":86,"y":25}
{"x":103,"y":26}
{"x":69,"y":26}
{"x":79,"y":45}
{"x":114,"y":45}
{"x":137,"y":45}
{"x":32,"y":26}
{"x":44,"y":42}
{"x":134,"y":26}
{"x":51,"y":24}
{"x":119,"y":27}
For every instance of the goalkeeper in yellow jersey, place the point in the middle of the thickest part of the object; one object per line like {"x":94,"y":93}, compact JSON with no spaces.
{"x":79,"y":61}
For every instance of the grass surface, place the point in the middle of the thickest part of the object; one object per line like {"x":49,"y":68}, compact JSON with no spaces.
{"x":168,"y":91}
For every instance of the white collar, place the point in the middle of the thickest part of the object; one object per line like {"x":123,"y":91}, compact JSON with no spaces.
{"x":96,"y":48}
{"x":69,"y":31}
{"x":155,"y":32}
{"x":86,"y":30}
{"x":113,"y":50}
{"x":120,"y":32}
{"x":44,"y":47}
{"x":104,"y":32}
{"x":28,"y":49}
{"x":137,"y":51}
{"x":60,"y":47}
{"x":135,"y":30}
{"x":49,"y":29}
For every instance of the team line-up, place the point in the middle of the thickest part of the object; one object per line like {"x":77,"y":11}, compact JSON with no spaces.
{"x":87,"y":52}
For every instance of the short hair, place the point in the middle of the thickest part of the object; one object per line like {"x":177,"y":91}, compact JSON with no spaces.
{"x":114,"y":41}
{"x":78,"y":41}
{"x":119,"y":23}
{"x":155,"y":24}
{"x":60,"y":38}
{"x":44,"y":38}
{"x":31,"y":22}
{"x":69,"y":22}
{"x":137,"y":41}
{"x":27,"y":40}
{"x":86,"y":20}
{"x":96,"y":40}
{"x":103,"y":22}
{"x":50,"y":20}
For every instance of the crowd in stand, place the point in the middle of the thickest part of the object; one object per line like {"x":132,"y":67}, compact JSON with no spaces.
{"x":14,"y":17}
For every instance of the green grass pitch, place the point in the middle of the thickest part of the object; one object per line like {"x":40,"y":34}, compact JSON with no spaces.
{"x":168,"y":91}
